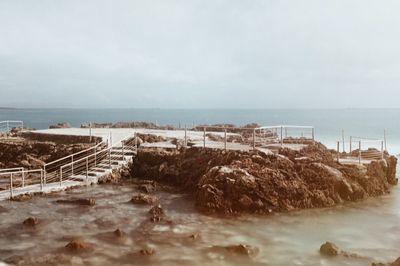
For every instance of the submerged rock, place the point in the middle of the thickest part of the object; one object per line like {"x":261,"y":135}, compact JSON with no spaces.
{"x":144,"y":199}
{"x":31,"y":221}
{"x":395,"y":263}
{"x":156,"y":213}
{"x":119,"y":233}
{"x":240,"y":250}
{"x":147,"y":251}
{"x":82,"y":202}
{"x":78,"y":246}
{"x":329,"y":249}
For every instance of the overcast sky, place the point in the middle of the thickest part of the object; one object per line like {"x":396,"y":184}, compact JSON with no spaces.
{"x":200,"y":54}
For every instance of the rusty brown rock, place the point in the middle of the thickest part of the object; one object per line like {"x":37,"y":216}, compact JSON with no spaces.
{"x":31,"y":221}
{"x":78,"y":246}
{"x":147,"y":252}
{"x":329,"y":249}
{"x":144,"y":199}
{"x":82,"y":202}
{"x":239,"y":181}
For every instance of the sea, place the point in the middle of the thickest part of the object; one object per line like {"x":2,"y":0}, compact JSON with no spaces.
{"x":368,"y":228}
{"x":330,"y":124}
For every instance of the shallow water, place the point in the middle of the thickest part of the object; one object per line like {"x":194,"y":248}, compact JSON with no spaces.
{"x":369,"y":228}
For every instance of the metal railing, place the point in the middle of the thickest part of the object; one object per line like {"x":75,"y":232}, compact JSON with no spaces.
{"x":8,"y":125}
{"x":51,"y":169}
{"x":102,"y":160}
{"x":14,"y":180}
{"x":361,"y":149}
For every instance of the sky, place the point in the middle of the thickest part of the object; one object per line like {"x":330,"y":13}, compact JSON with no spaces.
{"x":200,"y":54}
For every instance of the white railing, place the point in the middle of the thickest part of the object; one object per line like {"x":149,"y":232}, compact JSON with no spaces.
{"x":19,"y":179}
{"x":51,"y":169}
{"x":361,"y":149}
{"x":102,"y":158}
{"x":282,"y":133}
{"x":6,"y":126}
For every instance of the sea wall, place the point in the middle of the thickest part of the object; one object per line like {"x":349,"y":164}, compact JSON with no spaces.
{"x":235,"y":181}
{"x":59,"y":139}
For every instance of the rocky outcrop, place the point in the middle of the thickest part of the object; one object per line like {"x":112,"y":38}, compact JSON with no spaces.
{"x":134,"y":124}
{"x":395,"y":263}
{"x":234,"y":181}
{"x":32,"y":154}
{"x":60,"y":125}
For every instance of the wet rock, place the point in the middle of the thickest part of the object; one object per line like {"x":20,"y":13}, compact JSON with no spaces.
{"x":144,"y":199}
{"x":147,"y":252}
{"x":329,"y":249}
{"x":156,"y":213}
{"x":82,"y":202}
{"x":119,"y":233}
{"x":60,"y":125}
{"x":23,"y":197}
{"x":112,"y":178}
{"x":31,"y":221}
{"x":147,"y":188}
{"x":241,"y":250}
{"x":395,"y":263}
{"x":78,"y":246}
{"x":195,"y":236}
{"x":254,"y":182}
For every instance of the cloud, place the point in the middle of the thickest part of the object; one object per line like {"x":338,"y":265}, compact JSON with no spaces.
{"x":193,"y":54}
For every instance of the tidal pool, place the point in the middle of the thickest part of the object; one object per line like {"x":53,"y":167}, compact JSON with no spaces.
{"x":370,"y":228}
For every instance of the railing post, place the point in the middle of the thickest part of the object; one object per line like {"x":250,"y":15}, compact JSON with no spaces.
{"x":351,"y":144}
{"x":359,"y":152}
{"x":123,"y":154}
{"x":204,"y":137}
{"x":111,"y":143}
{"x":23,"y":178}
{"x":61,"y":177}
{"x":281,"y":136}
{"x":44,"y":175}
{"x":338,"y":151}
{"x":90,"y":132}
{"x":109,"y":158}
{"x":72,"y":164}
{"x":343,"y":140}
{"x":136,"y":142}
{"x":313,"y":133}
{"x":95,"y":156}
{"x":254,"y":139}
{"x":87,"y":170}
{"x":11,"y":186}
{"x":225,"y":139}
{"x":382,"y":149}
{"x":41,"y":180}
{"x":185,"y":136}
{"x":384,"y":138}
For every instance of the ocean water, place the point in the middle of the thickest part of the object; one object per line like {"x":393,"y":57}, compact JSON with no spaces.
{"x":328,"y":123}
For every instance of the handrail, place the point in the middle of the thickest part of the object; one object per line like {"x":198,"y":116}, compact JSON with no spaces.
{"x":24,"y":171}
{"x":12,"y":169}
{"x":71,"y":155}
{"x":103,"y":150}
